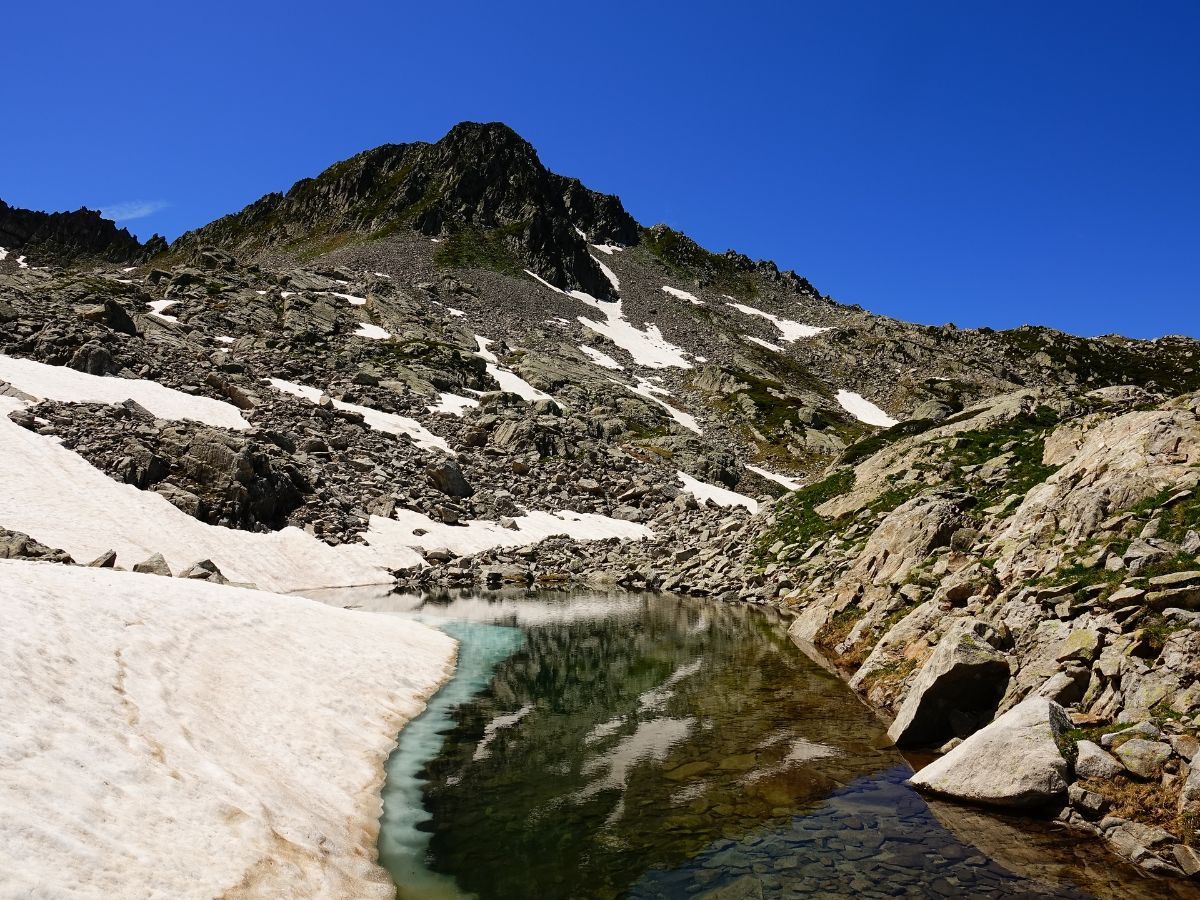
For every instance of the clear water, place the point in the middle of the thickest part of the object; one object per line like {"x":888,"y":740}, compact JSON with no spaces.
{"x":596,"y":746}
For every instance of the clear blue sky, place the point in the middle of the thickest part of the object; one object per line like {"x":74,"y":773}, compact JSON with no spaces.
{"x":982,"y":163}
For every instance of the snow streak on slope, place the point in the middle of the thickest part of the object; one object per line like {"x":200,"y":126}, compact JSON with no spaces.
{"x":788,"y":330}
{"x":158,"y":307}
{"x":599,"y":358}
{"x":790,"y":483}
{"x":508,"y":381}
{"x":350,"y":298}
{"x":645,"y":389}
{"x":63,"y":501}
{"x":721,"y":496}
{"x":767,"y":344}
{"x":864,"y":410}
{"x":68,"y":386}
{"x":646,"y":345}
{"x":609,"y":274}
{"x":683,"y":295}
{"x":173,"y":738}
{"x":380,"y":421}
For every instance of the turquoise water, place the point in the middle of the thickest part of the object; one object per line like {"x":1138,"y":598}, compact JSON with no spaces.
{"x":652,"y":747}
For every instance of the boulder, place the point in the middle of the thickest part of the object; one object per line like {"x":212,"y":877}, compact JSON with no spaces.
{"x":204,"y":570}
{"x":105,"y":560}
{"x":957,"y":690}
{"x":155,"y":565}
{"x":1144,"y":758}
{"x":447,"y":477}
{"x":1189,"y":795}
{"x":1014,"y":762}
{"x":1094,"y":762}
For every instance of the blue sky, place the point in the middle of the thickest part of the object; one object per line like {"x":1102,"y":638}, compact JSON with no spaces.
{"x":982,"y":163}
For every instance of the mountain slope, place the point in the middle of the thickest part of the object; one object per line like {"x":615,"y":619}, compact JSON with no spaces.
{"x":70,"y":237}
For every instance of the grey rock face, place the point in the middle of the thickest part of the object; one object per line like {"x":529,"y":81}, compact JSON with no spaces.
{"x":1013,"y":762}
{"x":154,"y":565}
{"x":1094,"y":762}
{"x":957,"y":691}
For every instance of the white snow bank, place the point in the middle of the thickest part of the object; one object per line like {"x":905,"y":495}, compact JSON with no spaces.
{"x":350,"y":298}
{"x":172,"y":738}
{"x":157,"y":307}
{"x":646,"y":345}
{"x":21,"y":263}
{"x":508,"y":381}
{"x":702,"y":491}
{"x":63,"y":501}
{"x":607,"y":249}
{"x":752,"y":339}
{"x":372,"y":332}
{"x":788,"y":330}
{"x":68,"y":386}
{"x":386,"y":535}
{"x":380,"y":421}
{"x":645,"y":389}
{"x":3,"y":254}
{"x":864,"y":410}
{"x":600,"y":358}
{"x":790,"y":483}
{"x":683,"y":295}
{"x":452,"y":404}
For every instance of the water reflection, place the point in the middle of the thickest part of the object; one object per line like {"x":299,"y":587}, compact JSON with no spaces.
{"x":603,"y":746}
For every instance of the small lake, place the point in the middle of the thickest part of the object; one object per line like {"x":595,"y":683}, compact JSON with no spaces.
{"x":597,"y":746}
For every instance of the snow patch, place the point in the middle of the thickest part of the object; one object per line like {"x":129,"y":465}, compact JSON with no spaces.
{"x":703,"y":491}
{"x":752,"y":339}
{"x":608,"y":249}
{"x":349,"y":298}
{"x":373,"y":332}
{"x":69,"y":386}
{"x":173,"y":738}
{"x":864,"y":410}
{"x":788,"y":330}
{"x":790,"y":483}
{"x":645,"y":389}
{"x":683,"y":295}
{"x":509,"y":381}
{"x":380,"y":421}
{"x":599,"y":358}
{"x":452,"y":404}
{"x":609,"y":274}
{"x":224,"y":339}
{"x":157,"y":307}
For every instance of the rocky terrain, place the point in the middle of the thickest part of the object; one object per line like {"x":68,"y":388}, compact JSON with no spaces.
{"x":448,"y":334}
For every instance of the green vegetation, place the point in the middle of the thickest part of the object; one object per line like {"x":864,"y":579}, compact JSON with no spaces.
{"x":730,"y":274}
{"x":796,"y":520}
{"x":872,"y":444}
{"x":478,"y":248}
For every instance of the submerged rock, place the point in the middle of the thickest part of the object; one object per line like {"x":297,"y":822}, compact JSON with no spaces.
{"x":1014,"y":762}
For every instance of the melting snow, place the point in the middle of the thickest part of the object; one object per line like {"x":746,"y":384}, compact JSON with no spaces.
{"x":21,"y":264}
{"x":864,"y":410}
{"x":645,"y":389}
{"x":452,"y":404}
{"x":349,"y":298}
{"x":508,"y":381}
{"x":752,"y":339}
{"x":599,"y":358}
{"x":63,"y":501}
{"x":790,"y":483}
{"x":703,"y":491}
{"x":683,"y":295}
{"x":157,"y":307}
{"x":380,"y":421}
{"x":374,"y":332}
{"x":202,"y":736}
{"x":478,"y":535}
{"x":608,"y":249}
{"x":646,"y":346}
{"x":69,"y":386}
{"x":3,"y":254}
{"x":224,"y":339}
{"x":788,"y":330}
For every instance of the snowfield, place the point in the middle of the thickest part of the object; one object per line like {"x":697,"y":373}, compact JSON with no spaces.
{"x":600,"y":358}
{"x":178,"y":739}
{"x":510,"y":382}
{"x":371,"y":332}
{"x":863,"y":409}
{"x":68,"y":386}
{"x":683,"y":295}
{"x":790,"y":483}
{"x":63,"y":501}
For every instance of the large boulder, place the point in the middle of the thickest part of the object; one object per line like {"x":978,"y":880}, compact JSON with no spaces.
{"x":1014,"y":762}
{"x":957,"y":691}
{"x":1093,"y":761}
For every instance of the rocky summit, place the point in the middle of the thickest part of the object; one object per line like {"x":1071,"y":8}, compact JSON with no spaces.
{"x":446,"y":362}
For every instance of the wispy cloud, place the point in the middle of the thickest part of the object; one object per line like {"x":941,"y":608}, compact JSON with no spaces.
{"x":132,"y":209}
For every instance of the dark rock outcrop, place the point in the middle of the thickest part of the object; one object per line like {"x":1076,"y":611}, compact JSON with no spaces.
{"x":67,"y":237}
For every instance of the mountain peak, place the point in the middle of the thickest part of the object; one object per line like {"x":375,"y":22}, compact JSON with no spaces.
{"x":481,"y":189}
